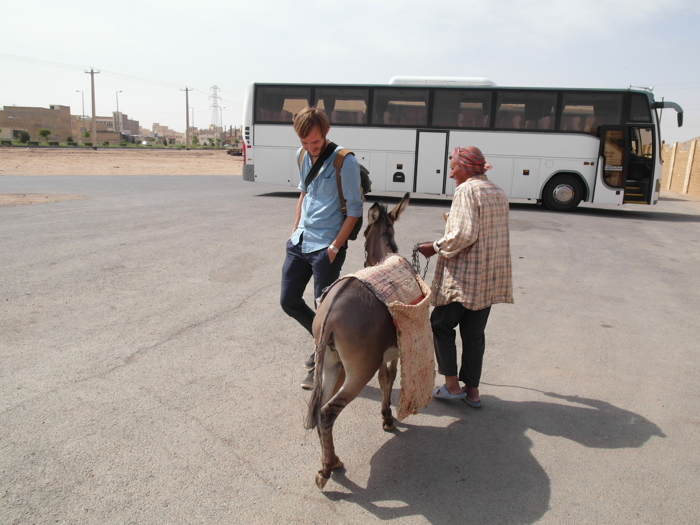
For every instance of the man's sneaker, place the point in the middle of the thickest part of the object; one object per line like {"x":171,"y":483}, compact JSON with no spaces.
{"x":311,"y":361}
{"x":308,"y":382}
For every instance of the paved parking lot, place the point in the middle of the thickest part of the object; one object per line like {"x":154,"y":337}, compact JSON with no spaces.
{"x":148,"y":374}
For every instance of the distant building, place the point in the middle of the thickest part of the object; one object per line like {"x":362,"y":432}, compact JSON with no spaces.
{"x":164,"y":132}
{"x":78,"y":126}
{"x":15,"y":119}
{"x":125,"y":125}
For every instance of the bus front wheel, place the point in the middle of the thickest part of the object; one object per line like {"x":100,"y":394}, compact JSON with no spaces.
{"x":562,"y":193}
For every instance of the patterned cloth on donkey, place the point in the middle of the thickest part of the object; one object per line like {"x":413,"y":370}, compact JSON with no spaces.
{"x":401,"y":289}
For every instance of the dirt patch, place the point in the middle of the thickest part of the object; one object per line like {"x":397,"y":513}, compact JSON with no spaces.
{"x":18,"y":199}
{"x":86,"y":161}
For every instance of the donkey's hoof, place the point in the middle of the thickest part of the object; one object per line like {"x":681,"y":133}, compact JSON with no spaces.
{"x":321,"y":481}
{"x":388,"y":427}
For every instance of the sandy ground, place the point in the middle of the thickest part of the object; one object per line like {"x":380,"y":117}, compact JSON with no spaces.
{"x":84,"y":161}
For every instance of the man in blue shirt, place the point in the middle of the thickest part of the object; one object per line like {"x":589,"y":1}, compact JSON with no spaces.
{"x":319,"y":237}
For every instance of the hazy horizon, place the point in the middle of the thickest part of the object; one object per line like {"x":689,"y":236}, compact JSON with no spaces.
{"x":151,"y":51}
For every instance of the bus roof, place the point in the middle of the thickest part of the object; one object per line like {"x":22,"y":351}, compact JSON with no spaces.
{"x":442,"y":81}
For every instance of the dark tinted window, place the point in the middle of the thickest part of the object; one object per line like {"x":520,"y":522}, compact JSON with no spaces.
{"x":400,"y":107}
{"x":584,"y":112}
{"x":280,"y":104}
{"x":639,"y":108}
{"x":462,"y":109}
{"x":343,"y":105}
{"x":525,"y":109}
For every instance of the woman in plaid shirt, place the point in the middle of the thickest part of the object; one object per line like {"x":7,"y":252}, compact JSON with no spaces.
{"x":473,"y":272}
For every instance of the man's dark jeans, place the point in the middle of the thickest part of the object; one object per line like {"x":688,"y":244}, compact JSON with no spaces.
{"x":297,"y":271}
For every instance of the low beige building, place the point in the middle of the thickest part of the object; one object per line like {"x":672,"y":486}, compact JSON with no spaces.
{"x":15,"y":119}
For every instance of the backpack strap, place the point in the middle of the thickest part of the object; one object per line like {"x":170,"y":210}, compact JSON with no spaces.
{"x":337,"y":164}
{"x":327,"y":152}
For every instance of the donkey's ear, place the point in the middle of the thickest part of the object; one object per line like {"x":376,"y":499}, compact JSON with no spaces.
{"x":374,"y":213}
{"x":400,"y":207}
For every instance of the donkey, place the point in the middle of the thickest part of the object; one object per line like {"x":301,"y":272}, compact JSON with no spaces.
{"x":355,"y":336}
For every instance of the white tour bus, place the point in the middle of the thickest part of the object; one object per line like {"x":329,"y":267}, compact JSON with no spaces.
{"x":557,"y":146}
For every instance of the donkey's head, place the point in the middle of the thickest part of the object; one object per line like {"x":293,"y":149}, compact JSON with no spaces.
{"x":379,"y":234}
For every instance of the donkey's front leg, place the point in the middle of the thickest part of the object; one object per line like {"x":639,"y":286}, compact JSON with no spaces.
{"x":387,"y":375}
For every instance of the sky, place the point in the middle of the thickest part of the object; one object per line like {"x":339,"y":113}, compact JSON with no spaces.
{"x":151,"y":50}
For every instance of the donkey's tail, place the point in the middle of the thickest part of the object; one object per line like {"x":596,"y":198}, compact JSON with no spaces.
{"x":316,"y":400}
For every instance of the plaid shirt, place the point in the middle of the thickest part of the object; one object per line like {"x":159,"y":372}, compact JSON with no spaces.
{"x":474,"y":266}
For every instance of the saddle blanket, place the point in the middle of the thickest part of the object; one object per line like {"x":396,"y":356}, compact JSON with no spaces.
{"x":401,"y":289}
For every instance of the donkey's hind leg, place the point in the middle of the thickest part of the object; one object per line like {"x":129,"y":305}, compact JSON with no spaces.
{"x":387,"y":375}
{"x":351,"y":388}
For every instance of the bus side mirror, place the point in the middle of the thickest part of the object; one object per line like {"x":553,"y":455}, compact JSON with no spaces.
{"x":680,"y":119}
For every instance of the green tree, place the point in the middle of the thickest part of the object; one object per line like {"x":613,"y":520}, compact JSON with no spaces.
{"x":86,"y":134}
{"x":69,"y":139}
{"x":195,"y":140}
{"x":24,"y":137}
{"x":165,"y":142}
{"x":44,"y":133}
{"x":211,"y":141}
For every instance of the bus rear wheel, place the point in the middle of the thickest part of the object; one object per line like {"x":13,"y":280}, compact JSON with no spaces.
{"x":562,"y":193}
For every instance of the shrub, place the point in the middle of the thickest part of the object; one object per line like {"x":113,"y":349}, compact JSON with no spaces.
{"x":24,"y":137}
{"x":88,"y":144}
{"x":69,"y":139}
{"x":105,"y":143}
{"x":53,"y":143}
{"x":71,"y":143}
{"x":33,"y":142}
{"x":44,"y":133}
{"x":6,"y":142}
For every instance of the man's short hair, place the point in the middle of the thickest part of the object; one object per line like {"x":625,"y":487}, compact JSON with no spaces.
{"x":308,"y":119}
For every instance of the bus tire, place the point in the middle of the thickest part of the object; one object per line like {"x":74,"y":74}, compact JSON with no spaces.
{"x":562,"y":193}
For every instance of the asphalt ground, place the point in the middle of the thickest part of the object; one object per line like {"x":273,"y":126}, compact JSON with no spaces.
{"x":148,"y":374}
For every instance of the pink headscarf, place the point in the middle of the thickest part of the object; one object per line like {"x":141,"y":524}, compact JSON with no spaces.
{"x":471,"y":160}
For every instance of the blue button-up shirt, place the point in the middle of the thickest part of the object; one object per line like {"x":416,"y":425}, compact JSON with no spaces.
{"x":321,"y":217}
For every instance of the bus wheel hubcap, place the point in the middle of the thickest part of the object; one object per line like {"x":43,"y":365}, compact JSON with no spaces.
{"x":563,"y":193}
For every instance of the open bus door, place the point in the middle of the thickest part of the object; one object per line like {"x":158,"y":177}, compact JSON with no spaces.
{"x":626,"y":167}
{"x":612,"y":166}
{"x":640,"y":165}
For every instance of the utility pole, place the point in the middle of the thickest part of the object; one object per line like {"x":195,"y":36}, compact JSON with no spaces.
{"x":92,"y":73}
{"x":187,"y":113}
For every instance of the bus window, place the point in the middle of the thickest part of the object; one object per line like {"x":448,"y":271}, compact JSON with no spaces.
{"x":525,"y":109}
{"x":280,"y":104}
{"x":584,"y":112}
{"x":639,"y":108}
{"x":400,"y":107}
{"x":462,"y":109}
{"x":640,"y":154}
{"x":343,"y":105}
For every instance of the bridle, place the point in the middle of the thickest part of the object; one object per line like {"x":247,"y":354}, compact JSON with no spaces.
{"x":368,"y":232}
{"x":415,"y":262}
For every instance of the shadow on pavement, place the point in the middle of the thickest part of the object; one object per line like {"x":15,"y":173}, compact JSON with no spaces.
{"x":479,"y":469}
